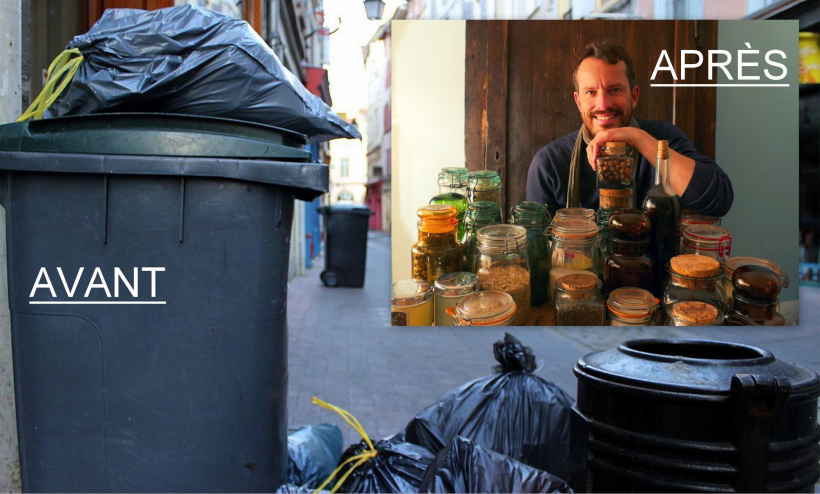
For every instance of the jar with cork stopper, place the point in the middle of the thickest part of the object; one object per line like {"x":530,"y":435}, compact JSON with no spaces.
{"x":579,"y":301}
{"x":614,"y":176}
{"x":694,"y":278}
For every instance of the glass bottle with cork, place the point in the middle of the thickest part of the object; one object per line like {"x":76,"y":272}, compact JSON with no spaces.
{"x":628,"y":264}
{"x":452,"y":190}
{"x":437,"y":251}
{"x":536,"y":219}
{"x":662,"y":206}
{"x":479,"y":214}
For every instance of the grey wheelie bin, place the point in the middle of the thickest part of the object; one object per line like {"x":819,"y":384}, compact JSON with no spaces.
{"x":345,"y":245}
{"x":147,"y":271}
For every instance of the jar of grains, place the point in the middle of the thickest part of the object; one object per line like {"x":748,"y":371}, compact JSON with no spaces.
{"x":486,"y":308}
{"x":693,"y":313}
{"x":437,"y":251}
{"x":579,"y":301}
{"x":708,"y":240}
{"x":756,"y":292}
{"x":731,"y":264}
{"x":575,"y":249}
{"x":484,"y":185}
{"x":633,"y":307}
{"x":479,"y":213}
{"x":450,"y":289}
{"x":535,"y":218}
{"x":503,"y":265}
{"x":411,"y":303}
{"x":694,"y":278}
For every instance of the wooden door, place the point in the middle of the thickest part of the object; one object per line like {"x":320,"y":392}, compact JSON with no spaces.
{"x":519,"y":94}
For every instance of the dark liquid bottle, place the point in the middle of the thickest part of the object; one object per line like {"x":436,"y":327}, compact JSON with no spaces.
{"x":663,"y":208}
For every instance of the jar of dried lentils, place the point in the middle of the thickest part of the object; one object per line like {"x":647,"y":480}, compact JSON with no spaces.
{"x":503,"y":265}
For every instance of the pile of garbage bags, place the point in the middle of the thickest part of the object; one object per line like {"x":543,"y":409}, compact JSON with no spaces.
{"x":507,"y":432}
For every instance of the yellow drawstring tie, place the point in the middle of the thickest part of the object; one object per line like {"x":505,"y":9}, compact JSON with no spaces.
{"x":59,"y":74}
{"x":360,"y":459}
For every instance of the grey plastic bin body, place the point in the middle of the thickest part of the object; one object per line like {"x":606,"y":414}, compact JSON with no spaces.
{"x":345,"y":245}
{"x":187,"y":393}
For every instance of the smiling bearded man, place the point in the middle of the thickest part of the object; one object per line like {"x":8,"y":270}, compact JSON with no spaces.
{"x":562,"y":174}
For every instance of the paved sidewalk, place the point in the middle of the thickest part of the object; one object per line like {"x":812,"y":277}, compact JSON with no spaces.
{"x":343,"y":349}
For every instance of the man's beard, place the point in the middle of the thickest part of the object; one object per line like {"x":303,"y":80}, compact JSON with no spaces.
{"x":623,"y":119}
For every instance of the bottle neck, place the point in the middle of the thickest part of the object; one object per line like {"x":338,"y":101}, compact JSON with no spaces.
{"x":662,"y":174}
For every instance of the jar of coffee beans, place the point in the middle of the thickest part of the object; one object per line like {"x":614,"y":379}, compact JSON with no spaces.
{"x":615,"y":166}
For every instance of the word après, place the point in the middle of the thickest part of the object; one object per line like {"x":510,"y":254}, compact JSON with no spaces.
{"x":744,"y":66}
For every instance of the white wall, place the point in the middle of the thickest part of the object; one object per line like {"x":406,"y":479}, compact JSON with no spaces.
{"x":428,"y":121}
{"x":10,"y":109}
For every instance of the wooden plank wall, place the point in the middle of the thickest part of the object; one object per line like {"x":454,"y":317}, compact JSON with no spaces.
{"x":518,"y":92}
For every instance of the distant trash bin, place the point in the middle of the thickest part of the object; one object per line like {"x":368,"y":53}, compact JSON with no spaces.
{"x":147,"y":271}
{"x":345,"y":245}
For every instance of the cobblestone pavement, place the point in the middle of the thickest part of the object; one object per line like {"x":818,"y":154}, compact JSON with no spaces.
{"x":343,"y":349}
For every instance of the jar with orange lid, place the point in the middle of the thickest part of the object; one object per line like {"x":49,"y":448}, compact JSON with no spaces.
{"x":707,"y":240}
{"x":579,"y":301}
{"x":503,"y":264}
{"x":575,"y":248}
{"x":565,"y":214}
{"x":731,"y":264}
{"x":485,"y":308}
{"x":628,"y":264}
{"x":629,"y":306}
{"x":437,"y":251}
{"x":694,"y":278}
{"x":756,"y":291}
{"x":693,"y":313}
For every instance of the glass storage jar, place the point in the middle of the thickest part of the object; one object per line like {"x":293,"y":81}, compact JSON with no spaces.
{"x":450,"y":289}
{"x":756,"y":292}
{"x":633,"y":307}
{"x":479,"y":214}
{"x":604,"y":234}
{"x":575,"y":249}
{"x":535,"y":218}
{"x":731,"y":264}
{"x":411,"y":303}
{"x":484,"y":185}
{"x":708,"y":240}
{"x":452,"y":190}
{"x":579,"y":301}
{"x":628,"y":264}
{"x":615,"y":166}
{"x":486,"y":308}
{"x":693,"y":313}
{"x":694,"y":278}
{"x":503,"y":265}
{"x":565,"y":214}
{"x":437,"y":251}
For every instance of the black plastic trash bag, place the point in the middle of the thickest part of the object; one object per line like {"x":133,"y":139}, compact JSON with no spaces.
{"x":513,"y":412}
{"x":467,"y":467}
{"x":396,"y":467}
{"x":313,"y":453}
{"x":191,"y":60}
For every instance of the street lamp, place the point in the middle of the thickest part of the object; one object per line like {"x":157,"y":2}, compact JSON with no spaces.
{"x":374,"y":9}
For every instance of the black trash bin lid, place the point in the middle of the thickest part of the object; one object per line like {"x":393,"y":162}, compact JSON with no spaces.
{"x":186,"y":145}
{"x":346,"y":209}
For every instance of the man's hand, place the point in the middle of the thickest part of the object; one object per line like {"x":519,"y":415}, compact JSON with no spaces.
{"x":681,"y":167}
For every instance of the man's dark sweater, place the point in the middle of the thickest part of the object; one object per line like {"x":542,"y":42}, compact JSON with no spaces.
{"x":709,"y":192}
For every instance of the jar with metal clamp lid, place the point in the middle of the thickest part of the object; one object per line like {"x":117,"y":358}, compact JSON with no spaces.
{"x":731,"y":264}
{"x":485,"y":308}
{"x":575,"y":249}
{"x":535,"y":218}
{"x":452,"y":190}
{"x":707,"y":240}
{"x":437,"y":251}
{"x":484,"y":185}
{"x":633,"y":307}
{"x":503,"y":264}
{"x":479,"y":214}
{"x":450,"y":289}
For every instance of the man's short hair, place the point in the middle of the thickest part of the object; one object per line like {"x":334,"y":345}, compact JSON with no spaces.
{"x":608,"y":52}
